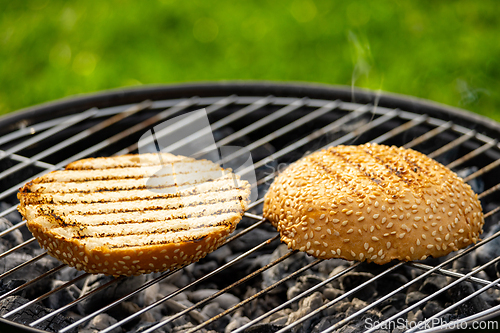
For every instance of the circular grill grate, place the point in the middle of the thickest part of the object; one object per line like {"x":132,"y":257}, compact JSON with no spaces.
{"x":278,"y":124}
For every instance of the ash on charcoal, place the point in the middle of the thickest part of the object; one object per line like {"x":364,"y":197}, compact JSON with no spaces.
{"x":15,"y":237}
{"x":287,"y":266}
{"x":28,"y":273}
{"x":332,"y":293}
{"x":31,"y":313}
{"x":414,"y":296}
{"x":236,"y":322}
{"x":213,"y":309}
{"x":336,"y":283}
{"x":109,"y":294}
{"x":306,"y":306}
{"x":304,"y":283}
{"x":352,"y":280}
{"x":100,"y":322}
{"x":69,"y":273}
{"x":415,"y":317}
{"x":63,"y":296}
{"x":14,"y":217}
{"x":180,"y":278}
{"x":431,"y":308}
{"x":225,"y":300}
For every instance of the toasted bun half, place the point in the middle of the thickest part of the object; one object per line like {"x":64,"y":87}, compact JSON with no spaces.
{"x":373,"y":203}
{"x":133,"y":214}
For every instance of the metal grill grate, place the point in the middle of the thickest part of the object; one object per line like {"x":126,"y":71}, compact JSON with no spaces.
{"x":277,"y":130}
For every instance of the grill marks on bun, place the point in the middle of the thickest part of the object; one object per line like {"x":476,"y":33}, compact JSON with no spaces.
{"x":102,"y":216}
{"x":373,"y":203}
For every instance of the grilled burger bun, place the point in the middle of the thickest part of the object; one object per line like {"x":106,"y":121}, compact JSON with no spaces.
{"x":104,"y":215}
{"x":373,"y":203}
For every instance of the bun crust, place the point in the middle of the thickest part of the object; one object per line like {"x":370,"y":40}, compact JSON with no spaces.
{"x":373,"y":203}
{"x":133,"y":214}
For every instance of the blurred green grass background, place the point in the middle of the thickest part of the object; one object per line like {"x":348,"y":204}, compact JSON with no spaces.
{"x":446,"y":51}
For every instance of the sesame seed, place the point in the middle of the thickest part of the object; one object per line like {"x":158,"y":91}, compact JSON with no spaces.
{"x":339,"y":251}
{"x":322,"y":216}
{"x":375,"y":239}
{"x":126,"y":258}
{"x":375,"y":216}
{"x":370,"y":250}
{"x":388,"y":245}
{"x":430,"y":246}
{"x":361,"y":218}
{"x":344,"y":223}
{"x":350,"y":231}
{"x":349,"y":212}
{"x":335,"y":221}
{"x":346,"y":240}
{"x":389,"y":225}
{"x":353,"y":253}
{"x":361,"y":256}
{"x":329,"y":231}
{"x":418,"y":241}
{"x":374,"y":257}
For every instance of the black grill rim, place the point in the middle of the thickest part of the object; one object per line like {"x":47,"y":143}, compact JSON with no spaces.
{"x":109,"y":98}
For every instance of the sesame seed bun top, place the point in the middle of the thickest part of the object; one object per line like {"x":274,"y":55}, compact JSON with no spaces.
{"x":373,"y":203}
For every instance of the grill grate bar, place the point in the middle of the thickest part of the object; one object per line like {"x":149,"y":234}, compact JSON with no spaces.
{"x":77,"y":137}
{"x":32,"y":260}
{"x":220,"y":123}
{"x":23,"y":159}
{"x":73,"y":303}
{"x":264,"y":121}
{"x":429,"y":135}
{"x":493,"y":189}
{"x":296,"y":298}
{"x":472,"y":154}
{"x":334,"y":126}
{"x":118,"y":301}
{"x":491,"y":212}
{"x":283,"y":130}
{"x":8,"y":211}
{"x":182,"y":123}
{"x":448,"y":286}
{"x":213,"y":296}
{"x":17,"y":247}
{"x":459,"y":254}
{"x":341,"y":297}
{"x":43,"y":135}
{"x":449,"y":273}
{"x":148,"y":284}
{"x":256,"y":295}
{"x":14,"y":227}
{"x":105,"y":143}
{"x":178,"y":291}
{"x":44,"y":296}
{"x":453,"y":306}
{"x":402,"y":128}
{"x":484,"y":170}
{"x":360,"y":130}
{"x":442,"y":289}
{"x":39,"y":277}
{"x":455,"y":143}
{"x":413,"y":119}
